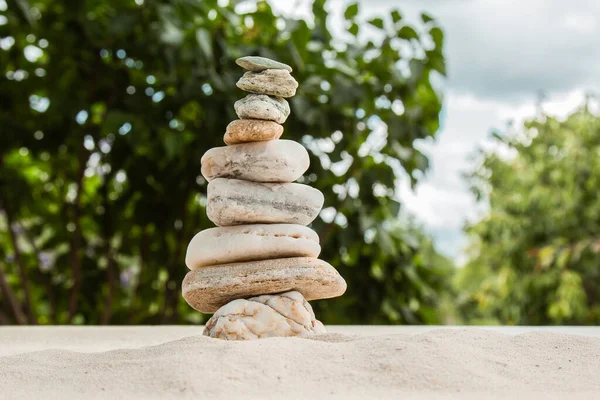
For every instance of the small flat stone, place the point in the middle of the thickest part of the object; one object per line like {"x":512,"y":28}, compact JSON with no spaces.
{"x":274,"y":82}
{"x":279,"y":315}
{"x":209,"y":288}
{"x":261,"y":106}
{"x":271,"y":161}
{"x":238,"y":202}
{"x":251,"y":130}
{"x":257,"y":64}
{"x":251,"y":242}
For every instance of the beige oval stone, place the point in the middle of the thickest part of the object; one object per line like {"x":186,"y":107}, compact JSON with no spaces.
{"x":257,"y":64}
{"x":238,"y":202}
{"x":271,"y":161}
{"x":231,"y":244}
{"x":279,"y":315}
{"x":274,"y":82}
{"x":261,"y":106}
{"x":208,"y":288}
{"x":251,"y":130}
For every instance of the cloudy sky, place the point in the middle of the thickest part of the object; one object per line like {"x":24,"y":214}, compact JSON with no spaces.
{"x":501,"y":54}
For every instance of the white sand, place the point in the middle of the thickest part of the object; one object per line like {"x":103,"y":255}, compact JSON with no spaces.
{"x":444,"y":363}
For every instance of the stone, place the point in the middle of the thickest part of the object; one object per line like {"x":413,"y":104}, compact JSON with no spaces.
{"x":271,"y":161}
{"x":281,"y":315}
{"x":274,"y":82}
{"x":231,"y":244}
{"x":261,"y":106}
{"x":207,"y":289}
{"x":257,"y":64}
{"x":238,"y":202}
{"x":251,"y":130}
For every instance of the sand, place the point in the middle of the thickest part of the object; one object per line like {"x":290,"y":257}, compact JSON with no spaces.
{"x":444,"y":363}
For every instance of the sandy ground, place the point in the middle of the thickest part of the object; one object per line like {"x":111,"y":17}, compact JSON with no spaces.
{"x":169,"y":362}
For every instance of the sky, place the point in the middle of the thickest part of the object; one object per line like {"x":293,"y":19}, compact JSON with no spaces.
{"x":501,"y":55}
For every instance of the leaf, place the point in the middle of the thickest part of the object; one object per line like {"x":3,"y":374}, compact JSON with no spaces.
{"x":407,"y":33}
{"x":205,"y":43}
{"x":437,"y":61}
{"x":426,"y":18}
{"x":396,"y":16}
{"x":385,"y":241}
{"x":563,"y":258}
{"x":412,"y":240}
{"x":173,"y":144}
{"x":351,"y":11}
{"x":344,"y":68}
{"x":353,"y":29}
{"x":438,"y":37}
{"x":394,"y":208}
{"x":25,"y":9}
{"x":546,"y":256}
{"x":376,"y":22}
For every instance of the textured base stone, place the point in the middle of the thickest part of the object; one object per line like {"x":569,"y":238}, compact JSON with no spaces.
{"x":238,"y":202}
{"x":271,"y":161}
{"x":286,"y":314}
{"x":261,"y":106}
{"x":208,"y":288}
{"x":251,"y":130}
{"x":251,"y":242}
{"x":274,"y":82}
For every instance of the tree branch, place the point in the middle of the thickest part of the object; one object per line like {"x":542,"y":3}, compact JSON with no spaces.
{"x":46,"y":277}
{"x":110,"y":262}
{"x":143,"y":258}
{"x":171,"y":293}
{"x":76,"y":239}
{"x":111,"y":278}
{"x":4,"y":319}
{"x":7,"y":292}
{"x":19,"y":260}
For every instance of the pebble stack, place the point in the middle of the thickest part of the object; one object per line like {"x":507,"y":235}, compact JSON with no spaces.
{"x":258,"y":268}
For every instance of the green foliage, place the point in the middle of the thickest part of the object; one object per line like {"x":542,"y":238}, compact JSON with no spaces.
{"x":107,"y":108}
{"x":351,"y":11}
{"x":536,"y":254}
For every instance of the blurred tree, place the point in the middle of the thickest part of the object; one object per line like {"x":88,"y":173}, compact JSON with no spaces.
{"x":107,"y":107}
{"x":536,"y":255}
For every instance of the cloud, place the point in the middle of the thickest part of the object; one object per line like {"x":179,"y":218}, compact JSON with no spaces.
{"x":512,"y":49}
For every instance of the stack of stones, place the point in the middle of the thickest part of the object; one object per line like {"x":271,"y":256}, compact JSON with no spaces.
{"x":256,"y":270}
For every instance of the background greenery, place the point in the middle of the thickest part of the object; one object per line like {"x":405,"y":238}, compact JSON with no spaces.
{"x":536,"y":257}
{"x":107,"y":107}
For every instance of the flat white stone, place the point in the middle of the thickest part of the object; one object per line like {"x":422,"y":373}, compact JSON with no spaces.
{"x":274,"y":82}
{"x":270,"y":161}
{"x":207,"y":289}
{"x":280,"y":315}
{"x":237,"y":202}
{"x":231,"y":244}
{"x":261,"y":106}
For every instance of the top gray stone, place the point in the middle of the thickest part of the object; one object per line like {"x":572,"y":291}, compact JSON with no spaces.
{"x":257,"y":64}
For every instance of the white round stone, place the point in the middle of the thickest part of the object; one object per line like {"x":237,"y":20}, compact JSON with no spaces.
{"x":261,"y":106}
{"x":270,"y":161}
{"x":231,"y":244}
{"x":237,"y":202}
{"x":274,"y":82}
